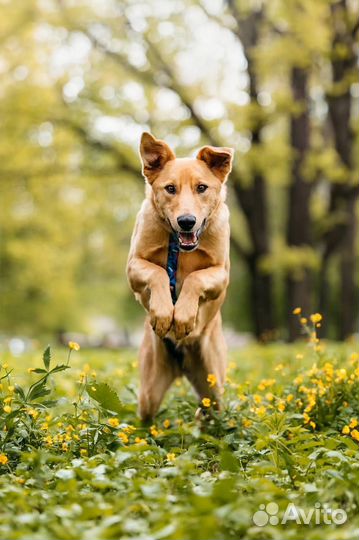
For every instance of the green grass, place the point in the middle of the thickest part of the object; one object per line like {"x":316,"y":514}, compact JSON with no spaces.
{"x":75,"y":470}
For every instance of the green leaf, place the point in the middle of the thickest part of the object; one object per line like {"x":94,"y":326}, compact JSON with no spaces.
{"x":228,"y":461}
{"x":46,"y":357}
{"x":106,"y":397}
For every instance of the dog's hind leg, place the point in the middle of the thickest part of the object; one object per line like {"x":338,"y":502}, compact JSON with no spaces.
{"x":157,"y":373}
{"x":208,"y":357}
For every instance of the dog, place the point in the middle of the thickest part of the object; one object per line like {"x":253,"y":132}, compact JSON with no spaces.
{"x":178,"y":268}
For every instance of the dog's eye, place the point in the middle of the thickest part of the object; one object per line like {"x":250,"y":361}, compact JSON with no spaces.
{"x":170,"y":189}
{"x":201,"y":188}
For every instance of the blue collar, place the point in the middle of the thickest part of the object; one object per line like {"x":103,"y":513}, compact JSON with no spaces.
{"x":172,"y":263}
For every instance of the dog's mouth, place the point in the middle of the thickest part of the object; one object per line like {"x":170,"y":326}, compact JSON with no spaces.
{"x":188,"y":241}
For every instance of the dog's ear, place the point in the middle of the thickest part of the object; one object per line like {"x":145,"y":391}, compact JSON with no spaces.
{"x":154,"y":155}
{"x":218,"y":160}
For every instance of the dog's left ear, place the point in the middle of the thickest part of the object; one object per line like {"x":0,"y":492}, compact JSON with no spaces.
{"x":218,"y":160}
{"x":154,"y":155}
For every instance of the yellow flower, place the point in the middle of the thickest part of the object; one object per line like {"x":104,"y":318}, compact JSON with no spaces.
{"x":154,"y":431}
{"x":3,"y":459}
{"x":345,"y":430}
{"x":211,"y":379}
{"x":281,"y":406}
{"x":73,"y":346}
{"x":279,"y":367}
{"x":246,"y":423}
{"x":11,"y":389}
{"x":269,"y":396}
{"x":138,"y":440}
{"x":290,"y":398}
{"x":306,"y":418}
{"x":353,"y":423}
{"x":206,"y":402}
{"x":171,"y":456}
{"x":166,"y":423}
{"x":355,"y":434}
{"x":316,"y":318}
{"x":312,"y":424}
{"x":129,"y":429}
{"x":260,"y":410}
{"x":8,"y":399}
{"x":257,"y":398}
{"x":7,"y":409}
{"x":113,"y":422}
{"x":297,"y":311}
{"x":123,"y":437}
{"x":303,"y":320}
{"x":83,"y":452}
{"x":30,"y":369}
{"x":354,"y":357}
{"x":5,"y":366}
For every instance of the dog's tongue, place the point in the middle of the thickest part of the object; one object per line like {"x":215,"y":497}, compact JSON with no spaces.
{"x":187,"y":238}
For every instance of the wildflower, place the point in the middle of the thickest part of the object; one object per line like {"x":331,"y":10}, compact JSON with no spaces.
{"x":281,"y":406}
{"x":297,"y":311}
{"x":316,"y":318}
{"x":242,"y":397}
{"x":138,"y":440}
{"x":3,"y":459}
{"x":30,"y":369}
{"x":64,"y":447}
{"x":166,"y":423}
{"x":11,"y":389}
{"x":303,"y":320}
{"x":246,"y":423}
{"x":212,"y":380}
{"x":231,"y":423}
{"x":7,"y":409}
{"x":290,"y":398}
{"x":171,"y":456}
{"x":269,"y":396}
{"x":45,"y":426}
{"x":298,"y":380}
{"x":73,"y":346}
{"x":113,"y":422}
{"x":260,"y":411}
{"x":206,"y":402}
{"x":312,"y":424}
{"x":8,"y":399}
{"x":129,"y":429}
{"x":354,"y":357}
{"x":83,"y":452}
{"x":49,"y":440}
{"x":279,"y":367}
{"x":5,"y":366}
{"x":346,"y":430}
{"x":257,"y":399}
{"x":154,"y":431}
{"x":306,"y":418}
{"x":355,"y":434}
{"x":353,"y":423}
{"x":123,"y":437}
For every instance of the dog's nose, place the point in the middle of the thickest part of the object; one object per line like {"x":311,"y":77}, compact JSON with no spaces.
{"x":186,"y":222}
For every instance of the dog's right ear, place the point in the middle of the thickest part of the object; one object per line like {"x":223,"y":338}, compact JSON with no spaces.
{"x":154,"y":156}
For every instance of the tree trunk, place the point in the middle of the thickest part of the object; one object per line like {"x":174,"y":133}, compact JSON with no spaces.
{"x":342,"y":237}
{"x":299,"y":281}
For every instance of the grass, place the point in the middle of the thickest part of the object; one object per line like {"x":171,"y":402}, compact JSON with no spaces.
{"x":72,"y":469}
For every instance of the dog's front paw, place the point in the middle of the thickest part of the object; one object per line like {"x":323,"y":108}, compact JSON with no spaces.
{"x":161,"y":318}
{"x":185,"y":316}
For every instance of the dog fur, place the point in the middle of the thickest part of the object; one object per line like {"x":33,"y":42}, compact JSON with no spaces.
{"x":185,"y":338}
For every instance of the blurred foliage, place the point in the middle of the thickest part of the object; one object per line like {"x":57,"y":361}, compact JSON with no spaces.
{"x":80,"y":81}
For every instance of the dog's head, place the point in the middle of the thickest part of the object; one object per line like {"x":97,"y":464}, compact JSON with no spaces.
{"x":185,"y":191}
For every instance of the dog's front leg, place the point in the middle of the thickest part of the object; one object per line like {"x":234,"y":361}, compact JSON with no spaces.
{"x":146,"y":277}
{"x":206,"y":284}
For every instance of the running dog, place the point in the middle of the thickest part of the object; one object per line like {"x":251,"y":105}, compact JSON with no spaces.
{"x":178,"y":269}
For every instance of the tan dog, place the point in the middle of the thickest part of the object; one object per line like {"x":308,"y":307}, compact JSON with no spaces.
{"x":185,"y":202}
